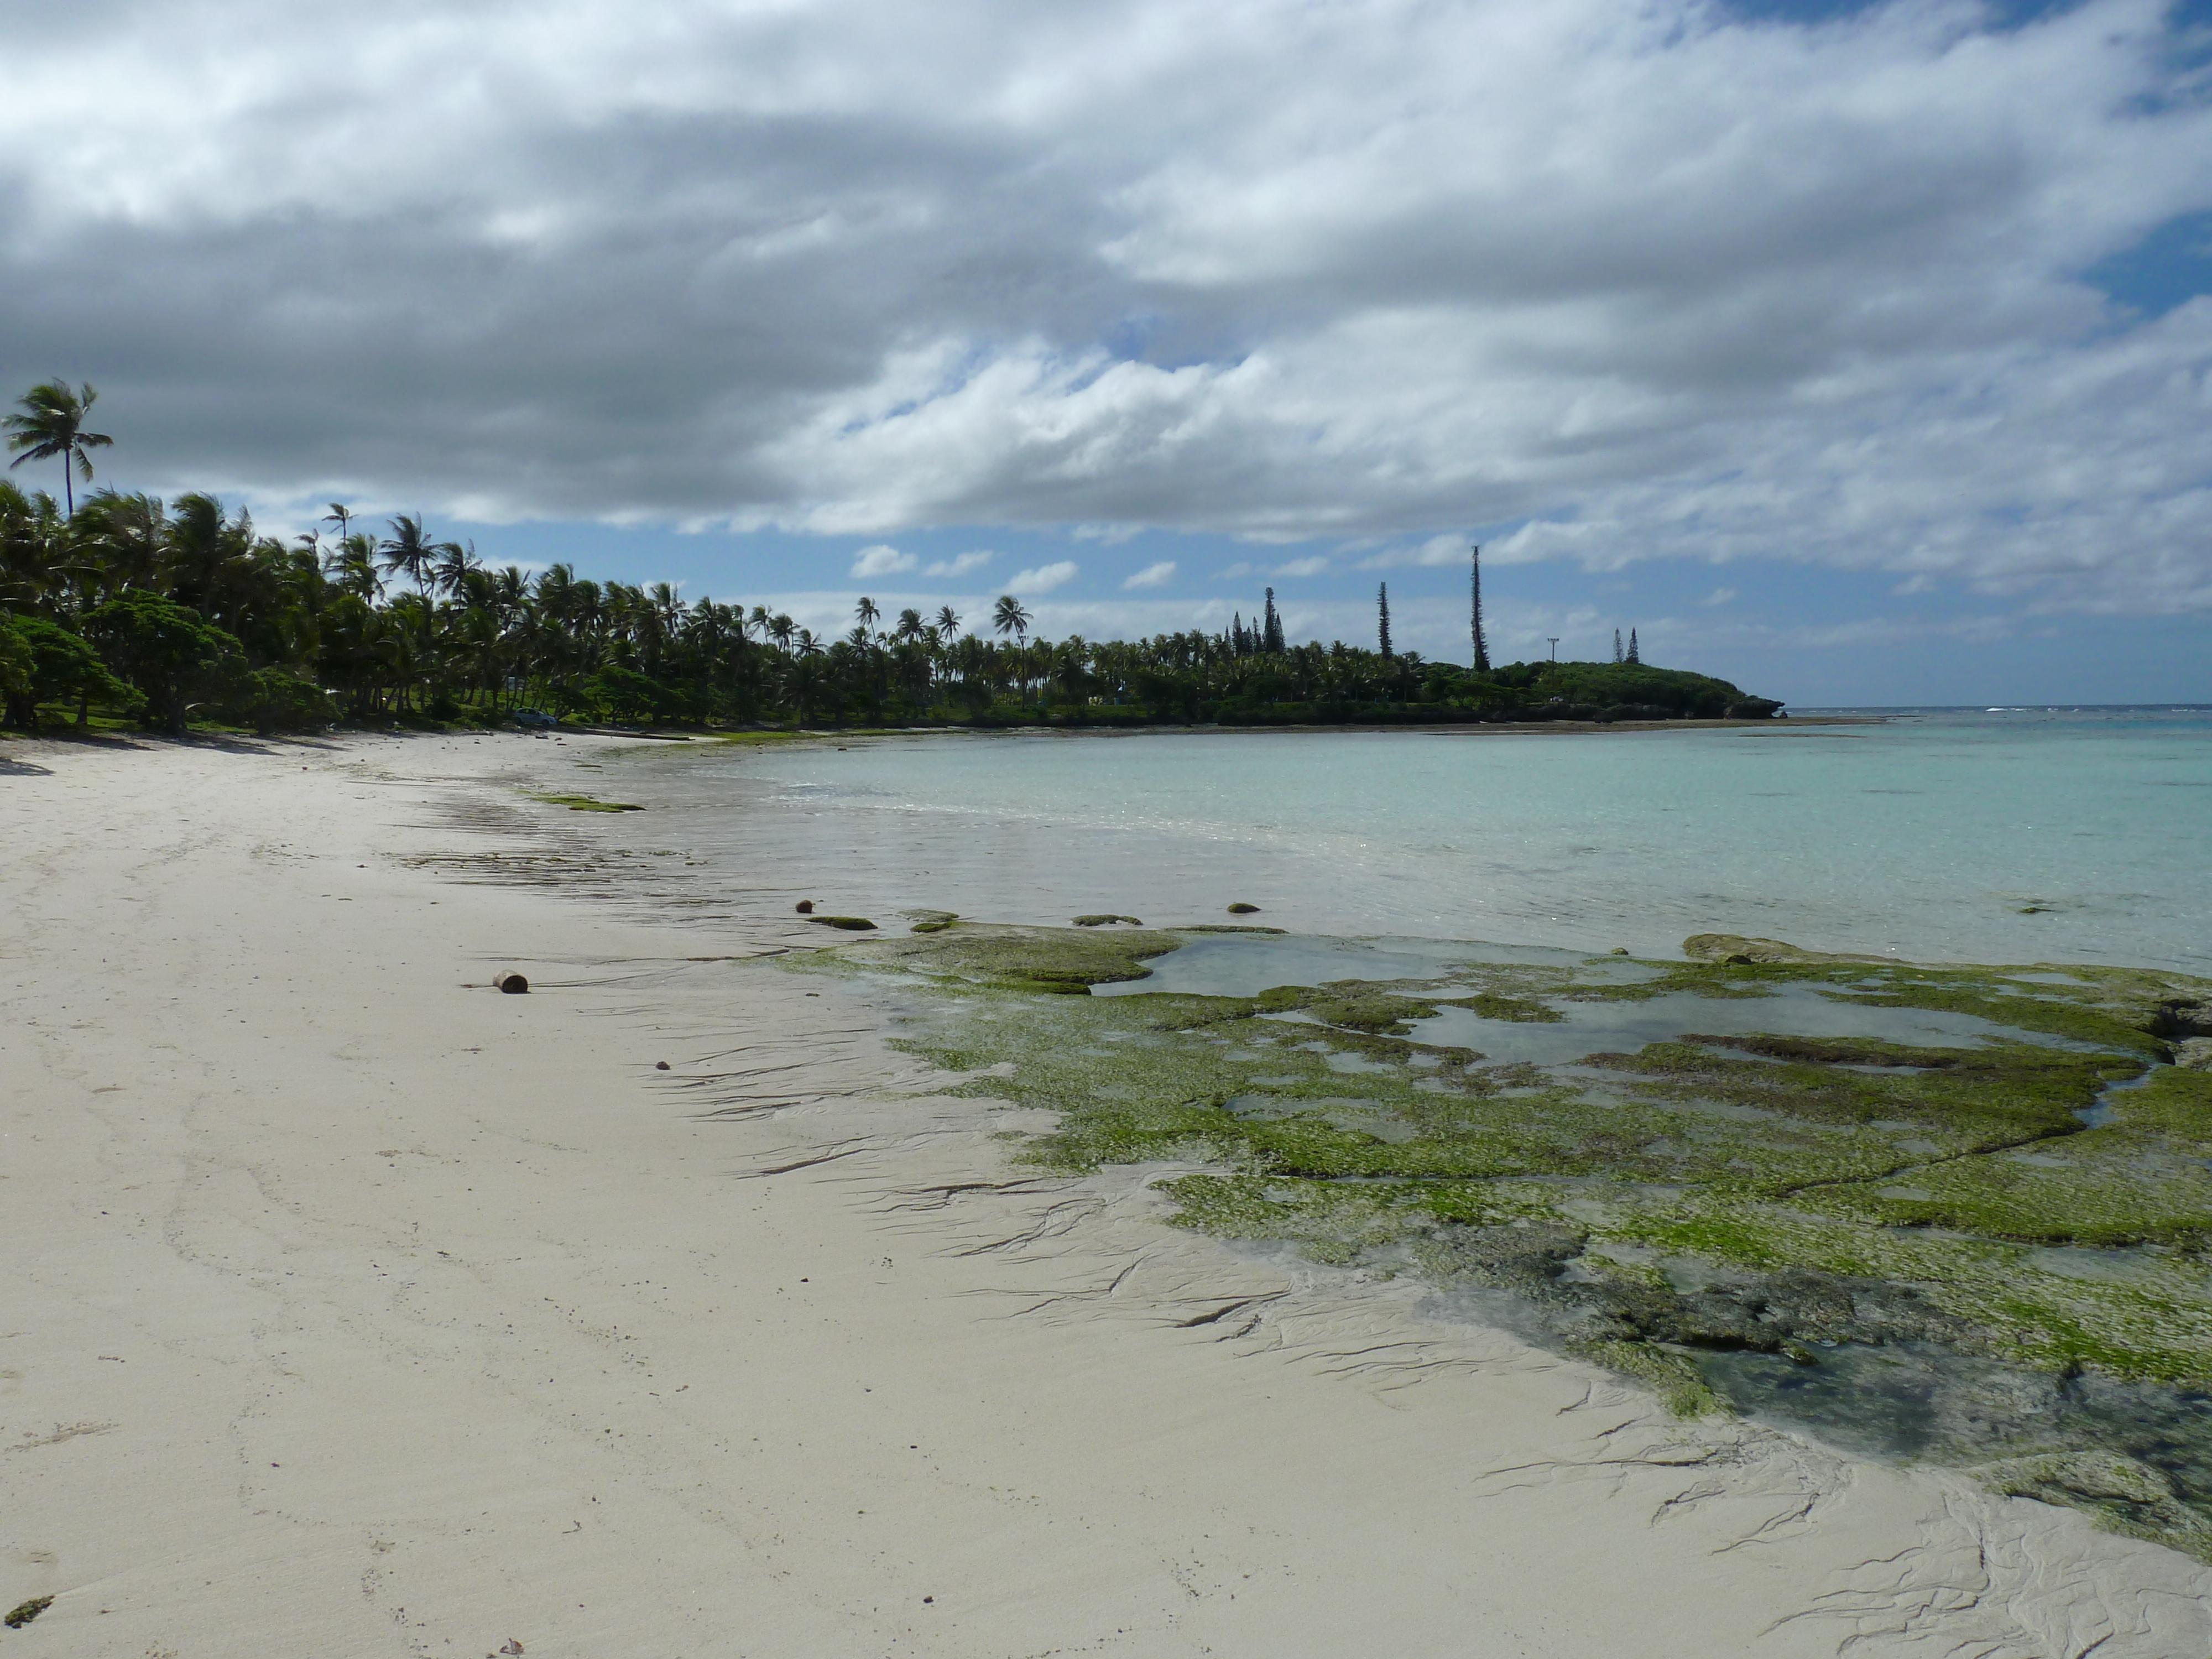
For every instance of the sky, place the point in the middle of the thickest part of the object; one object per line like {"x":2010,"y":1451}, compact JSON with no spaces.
{"x":1862,"y":353}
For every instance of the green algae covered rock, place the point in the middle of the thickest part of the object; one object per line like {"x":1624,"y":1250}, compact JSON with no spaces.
{"x":1058,"y":958}
{"x":2127,"y":1495}
{"x":1737,"y":951}
{"x":1990,"y":1183}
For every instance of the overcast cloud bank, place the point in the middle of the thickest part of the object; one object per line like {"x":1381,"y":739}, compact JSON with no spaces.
{"x":1624,"y":280}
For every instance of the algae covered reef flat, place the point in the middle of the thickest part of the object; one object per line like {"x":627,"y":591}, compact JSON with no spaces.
{"x":1957,"y":1212}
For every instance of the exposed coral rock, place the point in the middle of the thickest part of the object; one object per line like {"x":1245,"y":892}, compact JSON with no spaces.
{"x":1738,"y":950}
{"x":2187,"y":1019}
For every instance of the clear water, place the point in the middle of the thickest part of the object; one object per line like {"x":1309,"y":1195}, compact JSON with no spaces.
{"x":2072,"y":836}
{"x":1243,"y":967}
{"x":1234,"y":967}
{"x":1590,"y":1028}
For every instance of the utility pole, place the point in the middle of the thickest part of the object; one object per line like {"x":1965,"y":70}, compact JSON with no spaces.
{"x":1555,"y":647}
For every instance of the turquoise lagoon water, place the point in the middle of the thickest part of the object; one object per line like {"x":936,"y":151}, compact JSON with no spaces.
{"x":1996,"y":836}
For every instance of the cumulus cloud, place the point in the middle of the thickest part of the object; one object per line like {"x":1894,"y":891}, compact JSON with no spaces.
{"x":959,"y":565}
{"x":1043,"y":579}
{"x":1436,"y":549}
{"x":1313,"y":564}
{"x":881,"y":560}
{"x":1624,"y":279}
{"x":1152,"y":575}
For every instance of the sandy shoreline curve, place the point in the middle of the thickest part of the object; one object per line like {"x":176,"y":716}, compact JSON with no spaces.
{"x":354,"y":1308}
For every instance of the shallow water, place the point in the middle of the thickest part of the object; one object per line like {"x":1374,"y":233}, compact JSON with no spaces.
{"x":1245,"y":967}
{"x":1615,"y":1027}
{"x":2011,"y":836}
{"x":1234,"y":966}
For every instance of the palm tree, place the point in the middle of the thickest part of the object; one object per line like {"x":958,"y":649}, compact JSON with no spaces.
{"x":124,"y":537}
{"x":866,"y":615}
{"x":52,"y":423}
{"x":668,"y":608}
{"x":454,"y":564}
{"x":352,"y":569}
{"x":1007,"y":616}
{"x":407,"y":548}
{"x":948,"y":621}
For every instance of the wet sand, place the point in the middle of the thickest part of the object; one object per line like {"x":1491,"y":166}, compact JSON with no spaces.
{"x":355,"y":1308}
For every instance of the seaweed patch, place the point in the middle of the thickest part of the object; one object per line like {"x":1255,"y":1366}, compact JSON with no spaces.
{"x":1878,"y":1198}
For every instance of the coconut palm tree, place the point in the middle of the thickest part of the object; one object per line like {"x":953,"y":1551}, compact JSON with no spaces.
{"x":668,"y":608}
{"x":866,"y":615}
{"x":126,"y":536}
{"x":52,"y":423}
{"x":1007,"y":616}
{"x":36,"y":562}
{"x":454,"y":565}
{"x":510,"y":593}
{"x":352,"y":568}
{"x":948,"y":621}
{"x":408,"y":549}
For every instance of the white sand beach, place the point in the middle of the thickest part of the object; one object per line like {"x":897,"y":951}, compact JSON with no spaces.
{"x":352,"y":1308}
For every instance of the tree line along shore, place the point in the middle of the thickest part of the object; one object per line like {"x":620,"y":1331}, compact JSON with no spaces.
{"x":124,"y":608}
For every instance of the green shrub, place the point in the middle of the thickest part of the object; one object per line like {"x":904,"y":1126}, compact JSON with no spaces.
{"x":172,"y":653}
{"x":277,"y":700}
{"x":55,"y":666}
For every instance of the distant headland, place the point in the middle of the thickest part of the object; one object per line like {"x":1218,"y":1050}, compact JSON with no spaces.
{"x":127,"y":608}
